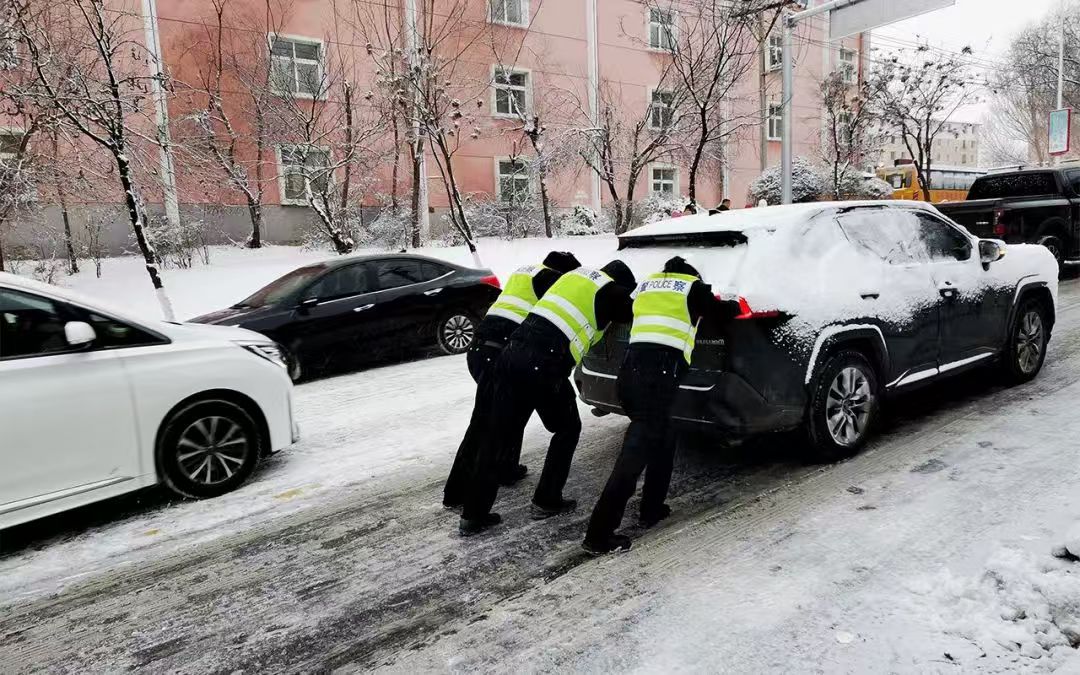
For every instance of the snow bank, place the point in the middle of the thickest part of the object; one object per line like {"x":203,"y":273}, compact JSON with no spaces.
{"x":1023,"y":609}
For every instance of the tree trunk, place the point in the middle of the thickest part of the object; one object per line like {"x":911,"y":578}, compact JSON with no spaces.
{"x":414,"y":219}
{"x":2,"y":269}
{"x":138,"y":219}
{"x":349,"y":135}
{"x":255,"y":212}
{"x":395,"y":169}
{"x":545,"y":203}
{"x":699,"y":150}
{"x":69,"y":245}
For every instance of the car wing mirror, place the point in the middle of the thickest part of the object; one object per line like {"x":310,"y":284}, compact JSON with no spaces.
{"x":990,"y":251}
{"x":79,"y":333}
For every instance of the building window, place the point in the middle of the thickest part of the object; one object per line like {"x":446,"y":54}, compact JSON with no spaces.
{"x":513,"y":181}
{"x":304,"y":171}
{"x":664,"y":180}
{"x":511,"y":92}
{"x":774,"y":53}
{"x":510,"y":12}
{"x":848,"y":67}
{"x":844,"y":119}
{"x":662,"y":29}
{"x":9,"y":144}
{"x":963,"y":160}
{"x":661,"y":110}
{"x":296,"y":66}
{"x":776,"y":121}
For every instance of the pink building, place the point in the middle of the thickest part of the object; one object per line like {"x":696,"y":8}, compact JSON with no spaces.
{"x":559,"y":59}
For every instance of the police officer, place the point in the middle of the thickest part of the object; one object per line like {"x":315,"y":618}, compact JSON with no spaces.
{"x":533,"y":374}
{"x":667,"y":309}
{"x":524,"y":287}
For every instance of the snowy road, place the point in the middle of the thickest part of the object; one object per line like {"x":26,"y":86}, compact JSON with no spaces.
{"x":339,"y":556}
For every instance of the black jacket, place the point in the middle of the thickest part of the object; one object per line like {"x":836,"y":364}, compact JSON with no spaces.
{"x":497,"y":329}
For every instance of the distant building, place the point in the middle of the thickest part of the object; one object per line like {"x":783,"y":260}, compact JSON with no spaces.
{"x":956,"y":145}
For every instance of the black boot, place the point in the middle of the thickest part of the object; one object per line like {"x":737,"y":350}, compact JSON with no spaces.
{"x":542,"y":511}
{"x":513,"y":475}
{"x":654,"y":516}
{"x":468,"y":528}
{"x":612,"y":544}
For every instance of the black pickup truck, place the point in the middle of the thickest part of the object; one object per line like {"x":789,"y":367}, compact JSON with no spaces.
{"x":1034,"y":206}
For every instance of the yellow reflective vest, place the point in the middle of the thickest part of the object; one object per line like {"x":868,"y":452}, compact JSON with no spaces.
{"x":519,"y":296}
{"x":570,"y":304}
{"x":662,"y":312}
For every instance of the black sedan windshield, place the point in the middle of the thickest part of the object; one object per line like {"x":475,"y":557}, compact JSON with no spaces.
{"x":277,"y":291}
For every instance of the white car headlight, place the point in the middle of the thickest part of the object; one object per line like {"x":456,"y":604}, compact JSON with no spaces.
{"x":268,"y":350}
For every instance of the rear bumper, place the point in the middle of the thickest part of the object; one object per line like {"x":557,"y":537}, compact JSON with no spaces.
{"x":728,"y":404}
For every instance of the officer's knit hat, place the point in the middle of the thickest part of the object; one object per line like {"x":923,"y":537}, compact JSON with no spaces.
{"x":561,"y":261}
{"x":620,"y":274}
{"x":678,"y":265}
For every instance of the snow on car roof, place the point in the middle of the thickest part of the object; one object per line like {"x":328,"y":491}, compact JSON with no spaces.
{"x":765,"y":217}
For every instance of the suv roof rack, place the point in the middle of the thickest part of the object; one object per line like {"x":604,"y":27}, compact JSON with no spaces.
{"x":1006,"y":167}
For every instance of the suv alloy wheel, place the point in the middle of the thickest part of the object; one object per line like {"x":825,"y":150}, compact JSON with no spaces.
{"x":844,"y":405}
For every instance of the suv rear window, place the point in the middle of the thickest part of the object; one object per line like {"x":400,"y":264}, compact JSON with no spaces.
{"x":1014,"y":185}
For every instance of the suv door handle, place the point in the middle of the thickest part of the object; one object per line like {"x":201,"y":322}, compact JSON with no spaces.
{"x":870,"y":295}
{"x":362,"y":308}
{"x":434,"y":291}
{"x":947,"y":290}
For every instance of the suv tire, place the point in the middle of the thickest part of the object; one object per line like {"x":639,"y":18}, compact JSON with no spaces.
{"x":844,"y":403}
{"x":1029,"y":335}
{"x":208,"y":448}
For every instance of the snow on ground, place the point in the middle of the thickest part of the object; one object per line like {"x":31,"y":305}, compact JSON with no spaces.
{"x":235,"y":273}
{"x":355,"y":428}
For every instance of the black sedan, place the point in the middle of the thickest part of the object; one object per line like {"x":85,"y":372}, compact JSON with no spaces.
{"x":344,"y":311}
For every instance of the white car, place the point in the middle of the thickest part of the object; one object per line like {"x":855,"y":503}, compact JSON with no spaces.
{"x":95,"y":403}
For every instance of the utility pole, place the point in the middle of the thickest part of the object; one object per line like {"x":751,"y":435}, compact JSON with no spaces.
{"x":412,"y":40}
{"x":161,"y":114}
{"x":1061,"y":67}
{"x":594,"y":93}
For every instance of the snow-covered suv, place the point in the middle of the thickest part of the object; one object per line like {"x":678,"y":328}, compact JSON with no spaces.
{"x":840,"y":304}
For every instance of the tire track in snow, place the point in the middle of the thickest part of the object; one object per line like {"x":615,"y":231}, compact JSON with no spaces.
{"x":375,"y":578}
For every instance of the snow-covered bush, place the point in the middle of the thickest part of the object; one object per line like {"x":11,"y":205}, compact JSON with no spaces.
{"x":389,"y":230}
{"x":855,"y":185}
{"x":580,"y":222}
{"x":806,"y":184}
{"x":178,"y":246}
{"x":492,"y":217}
{"x":658,"y":206}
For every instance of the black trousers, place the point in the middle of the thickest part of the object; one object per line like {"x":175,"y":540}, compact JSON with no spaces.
{"x":648,"y":382}
{"x":532,"y":374}
{"x":481,"y":360}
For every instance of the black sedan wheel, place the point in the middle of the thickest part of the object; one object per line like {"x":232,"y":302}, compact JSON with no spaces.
{"x":455,"y":332}
{"x":843,"y":407}
{"x":1027,"y":343}
{"x":208,"y":448}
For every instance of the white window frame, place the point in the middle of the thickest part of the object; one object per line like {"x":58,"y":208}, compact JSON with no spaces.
{"x":270,"y":37}
{"x":285,"y":200}
{"x":652,"y":106}
{"x":849,"y":68}
{"x":778,"y":118}
{"x":495,"y":87}
{"x":524,"y":13}
{"x":673,"y":33}
{"x":674,"y":178}
{"x":774,"y":53}
{"x":524,"y":161}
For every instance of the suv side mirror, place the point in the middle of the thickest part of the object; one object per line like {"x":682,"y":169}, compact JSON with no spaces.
{"x":990,"y":251}
{"x":79,"y":333}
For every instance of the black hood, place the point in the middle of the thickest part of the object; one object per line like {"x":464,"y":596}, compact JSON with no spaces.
{"x":620,"y":273}
{"x":678,"y":265}
{"x":561,"y":261}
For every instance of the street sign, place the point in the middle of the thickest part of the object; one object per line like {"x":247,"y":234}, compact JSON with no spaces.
{"x":862,"y":16}
{"x":1060,"y":131}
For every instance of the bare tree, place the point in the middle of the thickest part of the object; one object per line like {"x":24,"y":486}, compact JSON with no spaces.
{"x":89,"y":65}
{"x":712,"y":45}
{"x":625,"y":141}
{"x":852,"y":130}
{"x":917,"y":93}
{"x":233,"y":124}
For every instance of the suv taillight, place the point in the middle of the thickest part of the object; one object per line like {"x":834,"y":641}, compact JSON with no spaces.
{"x":747,"y":312}
{"x":999,"y":224}
{"x":491,"y":280}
